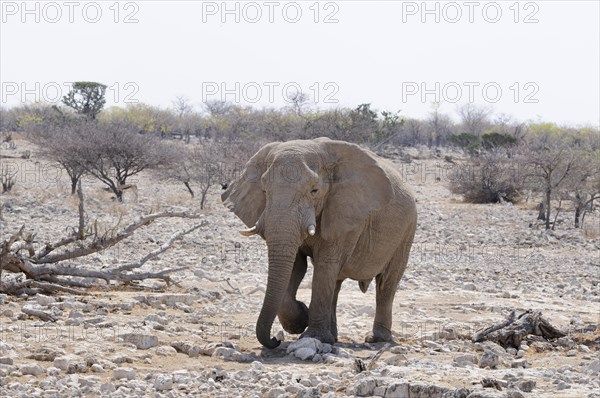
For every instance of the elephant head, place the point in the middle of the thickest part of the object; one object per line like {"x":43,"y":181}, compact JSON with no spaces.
{"x":303,"y":191}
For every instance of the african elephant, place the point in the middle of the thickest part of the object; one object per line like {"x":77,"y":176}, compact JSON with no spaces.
{"x":342,"y":206}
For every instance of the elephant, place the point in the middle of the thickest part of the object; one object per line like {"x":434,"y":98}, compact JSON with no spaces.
{"x":345,"y":208}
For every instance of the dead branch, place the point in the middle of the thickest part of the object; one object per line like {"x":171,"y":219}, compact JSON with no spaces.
{"x":103,"y":244}
{"x":378,"y":355}
{"x":50,"y":274}
{"x":161,"y":249}
{"x":512,"y":331}
{"x":38,"y":314}
{"x":30,"y":285}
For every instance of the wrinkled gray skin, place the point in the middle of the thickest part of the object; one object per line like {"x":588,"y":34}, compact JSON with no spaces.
{"x":365,"y":219}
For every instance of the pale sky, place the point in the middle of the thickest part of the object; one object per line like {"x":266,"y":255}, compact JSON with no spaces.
{"x":533,"y":60}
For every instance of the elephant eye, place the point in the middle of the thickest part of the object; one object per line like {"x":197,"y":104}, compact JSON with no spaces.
{"x":314,"y":190}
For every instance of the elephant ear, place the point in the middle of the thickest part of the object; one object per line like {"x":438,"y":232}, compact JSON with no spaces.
{"x":359,"y":186}
{"x":245,"y":196}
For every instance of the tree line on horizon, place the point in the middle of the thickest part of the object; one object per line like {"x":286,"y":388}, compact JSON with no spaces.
{"x":558,"y":163}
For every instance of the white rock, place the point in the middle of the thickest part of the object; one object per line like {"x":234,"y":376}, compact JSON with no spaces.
{"x":181,"y":376}
{"x":464,"y":360}
{"x":44,"y":300}
{"x":275,"y":392}
{"x":163,"y":382}
{"x":123,"y":373}
{"x":312,"y":392}
{"x":308,"y":348}
{"x":526,"y":385}
{"x":141,"y":340}
{"x":88,"y":381}
{"x":155,"y":318}
{"x":165,"y":350}
{"x":257,"y":367}
{"x":107,"y":388}
{"x":489,"y":359}
{"x":362,"y":388}
{"x":96,"y":368}
{"x":305,"y":353}
{"x":31,"y":369}
{"x":62,"y":363}
{"x":397,"y":390}
{"x":6,"y":360}
{"x":594,"y":367}
{"x":230,"y":354}
{"x":52,"y":371}
{"x":562,"y":386}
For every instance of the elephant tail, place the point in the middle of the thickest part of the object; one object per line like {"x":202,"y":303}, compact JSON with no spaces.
{"x":364,"y":285}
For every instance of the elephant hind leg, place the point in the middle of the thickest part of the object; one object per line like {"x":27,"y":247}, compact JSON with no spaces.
{"x":293,"y":314}
{"x":386,"y":285}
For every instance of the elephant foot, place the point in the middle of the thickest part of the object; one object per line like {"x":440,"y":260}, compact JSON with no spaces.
{"x":372,"y":338}
{"x":379,"y":335}
{"x":294,"y":317}
{"x":323,"y":335}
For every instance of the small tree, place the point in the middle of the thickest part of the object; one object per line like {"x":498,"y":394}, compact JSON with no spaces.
{"x":86,"y":98}
{"x":183,"y":110}
{"x":58,"y":133}
{"x":389,"y":128}
{"x":299,"y":101}
{"x":62,"y":147}
{"x":204,"y":166}
{"x":440,"y":126}
{"x":364,"y":123}
{"x":549,"y":162}
{"x":474,"y":119}
{"x":114,"y":152}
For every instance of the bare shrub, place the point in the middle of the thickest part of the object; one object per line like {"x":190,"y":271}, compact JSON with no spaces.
{"x":561,"y":164}
{"x":490,"y":178}
{"x":202,"y":166}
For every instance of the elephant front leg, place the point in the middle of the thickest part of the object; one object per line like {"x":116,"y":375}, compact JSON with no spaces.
{"x":320,"y":322}
{"x":293,"y":314}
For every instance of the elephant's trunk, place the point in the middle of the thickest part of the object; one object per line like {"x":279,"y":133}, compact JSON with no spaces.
{"x":283,"y":235}
{"x":281,"y":262}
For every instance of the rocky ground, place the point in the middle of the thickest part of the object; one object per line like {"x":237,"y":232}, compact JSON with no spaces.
{"x":470,"y":267}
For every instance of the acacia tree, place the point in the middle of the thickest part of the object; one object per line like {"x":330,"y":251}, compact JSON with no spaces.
{"x":550,"y":163}
{"x":364,"y":123}
{"x":61,"y":147}
{"x":114,"y":152}
{"x":205,"y":165}
{"x":58,"y":133}
{"x":439,"y":125}
{"x":474,"y":119}
{"x":388,"y":130}
{"x":86,"y":98}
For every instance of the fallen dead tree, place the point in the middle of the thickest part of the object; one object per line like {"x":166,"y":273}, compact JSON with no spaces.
{"x":512,"y":331}
{"x":50,"y":269}
{"x":47,"y":270}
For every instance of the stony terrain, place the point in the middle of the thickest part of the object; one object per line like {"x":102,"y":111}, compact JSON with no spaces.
{"x":470,"y":267}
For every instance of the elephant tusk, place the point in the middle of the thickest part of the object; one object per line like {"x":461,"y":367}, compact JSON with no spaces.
{"x":311,"y":230}
{"x":249,"y":231}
